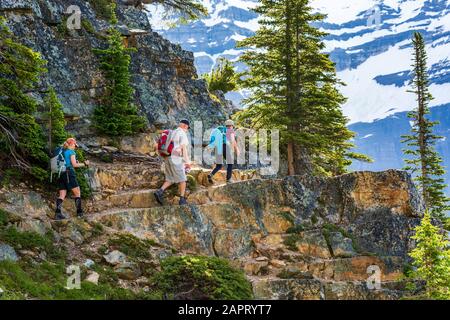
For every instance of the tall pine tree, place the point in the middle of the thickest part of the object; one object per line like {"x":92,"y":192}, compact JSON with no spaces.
{"x":424,"y":162}
{"x":21,"y":137}
{"x":293,"y":87}
{"x":116,"y":115}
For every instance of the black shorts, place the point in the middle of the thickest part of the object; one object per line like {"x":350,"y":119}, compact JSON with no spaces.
{"x":68,"y":180}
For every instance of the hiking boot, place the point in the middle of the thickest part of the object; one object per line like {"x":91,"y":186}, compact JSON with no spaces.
{"x":79,"y":207}
{"x":60,"y":216}
{"x":159,"y":196}
{"x":230,"y":181}
{"x":210,"y":179}
{"x":183,"y":201}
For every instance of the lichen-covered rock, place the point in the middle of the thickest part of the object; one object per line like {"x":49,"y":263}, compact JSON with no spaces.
{"x":7,"y":253}
{"x":313,"y":289}
{"x":128,"y":270}
{"x":115,"y":258}
{"x":340,"y":246}
{"x":313,"y":243}
{"x":287,"y":289}
{"x":93,"y":277}
{"x":356,"y":268}
{"x":26,"y":204}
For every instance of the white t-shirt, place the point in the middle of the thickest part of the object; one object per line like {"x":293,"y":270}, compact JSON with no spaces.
{"x":179,"y":138}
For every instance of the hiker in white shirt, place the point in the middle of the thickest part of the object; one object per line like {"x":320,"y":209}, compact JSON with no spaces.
{"x":175,"y":165}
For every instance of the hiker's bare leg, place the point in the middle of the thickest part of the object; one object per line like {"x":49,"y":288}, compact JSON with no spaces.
{"x":62,"y":194}
{"x":182,"y":188}
{"x":76,"y":192}
{"x":165,"y":185}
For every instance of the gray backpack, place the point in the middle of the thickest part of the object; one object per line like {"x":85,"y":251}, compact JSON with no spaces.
{"x":57,"y":162}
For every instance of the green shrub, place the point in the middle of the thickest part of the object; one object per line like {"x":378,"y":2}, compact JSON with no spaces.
{"x":4,"y":218}
{"x":199,"y":277}
{"x":82,"y":176}
{"x":295,"y":229}
{"x":29,"y":240}
{"x":87,"y":25}
{"x":47,"y":281}
{"x":63,"y":31}
{"x":132,"y":246}
{"x":222,"y":77}
{"x":10,"y":176}
{"x":291,"y":241}
{"x":103,"y":8}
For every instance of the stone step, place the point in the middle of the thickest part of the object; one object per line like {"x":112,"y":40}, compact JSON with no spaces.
{"x":142,"y":198}
{"x":138,"y":196}
{"x":119,"y":177}
{"x":108,"y":177}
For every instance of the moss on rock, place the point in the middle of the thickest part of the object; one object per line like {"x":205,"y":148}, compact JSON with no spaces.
{"x":200,"y":277}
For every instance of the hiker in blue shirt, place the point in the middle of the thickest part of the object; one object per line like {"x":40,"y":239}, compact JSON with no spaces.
{"x":223,"y":139}
{"x":68,"y":180}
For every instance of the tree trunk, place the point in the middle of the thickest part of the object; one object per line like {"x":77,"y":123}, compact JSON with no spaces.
{"x":291,"y":159}
{"x":289,"y":84}
{"x":421,"y":123}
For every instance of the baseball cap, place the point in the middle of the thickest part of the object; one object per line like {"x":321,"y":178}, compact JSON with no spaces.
{"x":72,"y":141}
{"x":186,"y":122}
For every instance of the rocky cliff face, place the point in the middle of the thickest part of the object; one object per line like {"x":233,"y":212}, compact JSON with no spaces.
{"x":163,"y":75}
{"x":295,"y":238}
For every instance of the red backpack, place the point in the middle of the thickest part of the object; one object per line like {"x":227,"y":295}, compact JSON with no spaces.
{"x":165,"y":143}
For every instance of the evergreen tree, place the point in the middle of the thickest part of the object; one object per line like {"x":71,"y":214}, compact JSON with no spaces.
{"x":222,"y":77}
{"x":184,"y":10}
{"x":55,"y":119}
{"x":425,"y":162}
{"x":293,"y":87}
{"x":117,"y":116}
{"x":432,"y":259}
{"x":20,"y":135}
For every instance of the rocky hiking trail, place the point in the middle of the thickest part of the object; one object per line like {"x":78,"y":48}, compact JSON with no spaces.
{"x":295,"y":238}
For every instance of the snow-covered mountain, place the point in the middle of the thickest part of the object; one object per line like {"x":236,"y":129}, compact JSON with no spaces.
{"x":370,"y":42}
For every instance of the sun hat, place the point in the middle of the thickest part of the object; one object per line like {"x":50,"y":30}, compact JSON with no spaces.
{"x":229,"y":123}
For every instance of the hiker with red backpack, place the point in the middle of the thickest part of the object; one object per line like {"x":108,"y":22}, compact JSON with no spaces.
{"x":173,"y":148}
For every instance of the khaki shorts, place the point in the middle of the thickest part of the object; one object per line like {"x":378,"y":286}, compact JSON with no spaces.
{"x":174,"y":170}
